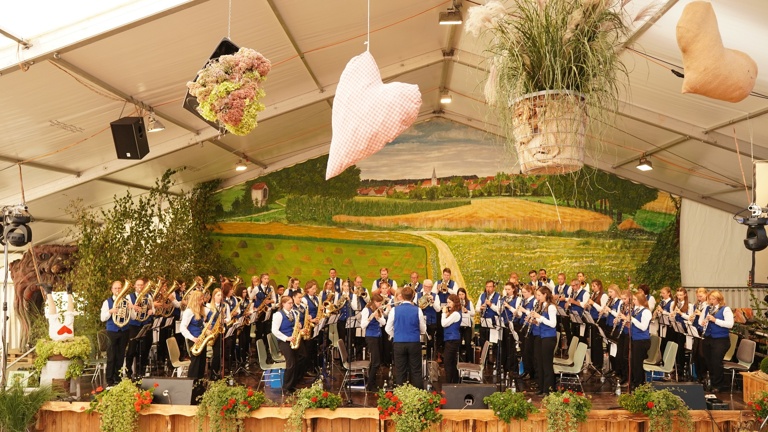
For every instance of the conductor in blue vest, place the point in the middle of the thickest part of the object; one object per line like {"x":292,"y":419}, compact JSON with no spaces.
{"x":406,"y":324}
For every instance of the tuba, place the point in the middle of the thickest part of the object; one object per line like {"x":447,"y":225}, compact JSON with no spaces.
{"x":122,"y":316}
{"x":141,"y":301}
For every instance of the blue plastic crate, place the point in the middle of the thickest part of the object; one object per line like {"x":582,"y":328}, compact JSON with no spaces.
{"x":274,"y":378}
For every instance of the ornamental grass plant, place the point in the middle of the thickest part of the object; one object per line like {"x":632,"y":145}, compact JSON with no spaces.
{"x":18,"y":408}
{"x":661,"y":407}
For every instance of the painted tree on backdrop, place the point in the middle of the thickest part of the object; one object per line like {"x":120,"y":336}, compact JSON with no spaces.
{"x":663,"y":265}
{"x":160,"y":233}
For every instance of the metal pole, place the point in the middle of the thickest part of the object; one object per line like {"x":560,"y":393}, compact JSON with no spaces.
{"x":4,"y":360}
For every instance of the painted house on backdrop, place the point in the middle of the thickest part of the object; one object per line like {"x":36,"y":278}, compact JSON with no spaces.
{"x":259,"y":194}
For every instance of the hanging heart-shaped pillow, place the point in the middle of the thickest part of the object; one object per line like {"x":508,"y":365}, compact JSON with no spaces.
{"x":367,"y":114}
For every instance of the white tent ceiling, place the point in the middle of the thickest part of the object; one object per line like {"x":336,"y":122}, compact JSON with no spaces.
{"x":60,"y":94}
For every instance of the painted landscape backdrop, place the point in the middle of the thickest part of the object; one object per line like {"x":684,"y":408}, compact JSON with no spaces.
{"x":441,"y":195}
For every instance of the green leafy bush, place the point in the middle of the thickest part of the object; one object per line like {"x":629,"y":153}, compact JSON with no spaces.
{"x":658,"y":405}
{"x":120,"y":405}
{"x":226,"y":406}
{"x":78,"y":350}
{"x":311,"y":397}
{"x":411,"y":409}
{"x":566,"y":410}
{"x":508,"y":406}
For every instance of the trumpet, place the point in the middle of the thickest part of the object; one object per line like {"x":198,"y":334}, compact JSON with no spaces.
{"x":361,"y":292}
{"x":426,"y":300}
{"x":442,"y":287}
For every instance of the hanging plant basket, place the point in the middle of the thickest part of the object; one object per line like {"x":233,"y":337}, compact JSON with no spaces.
{"x":549,"y":130}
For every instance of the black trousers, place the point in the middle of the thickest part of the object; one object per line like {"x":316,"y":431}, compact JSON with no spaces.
{"x":373,"y":344}
{"x":466,"y":353}
{"x":386,"y":348}
{"x":132,"y":353}
{"x":450,"y":360}
{"x":619,"y":361}
{"x":431,"y":340}
{"x":290,"y":378}
{"x":715,"y":350}
{"x":509,"y":353}
{"x":244,"y":344}
{"x":639,"y":354}
{"x":115,"y":355}
{"x":699,"y":359}
{"x":544,"y":353}
{"x":162,"y":349}
{"x":197,"y":366}
{"x":407,"y":358}
{"x":680,"y":338}
{"x":596,"y":347}
{"x":214,"y":370}
{"x":528,"y":357}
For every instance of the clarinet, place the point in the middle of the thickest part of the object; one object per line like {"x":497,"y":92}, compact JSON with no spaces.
{"x":536,"y":309}
{"x":710,"y":312}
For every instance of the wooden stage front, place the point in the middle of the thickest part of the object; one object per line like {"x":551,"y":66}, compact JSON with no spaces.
{"x":70,"y":417}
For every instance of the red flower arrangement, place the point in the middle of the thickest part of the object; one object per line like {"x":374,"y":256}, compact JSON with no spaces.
{"x":410,"y":408}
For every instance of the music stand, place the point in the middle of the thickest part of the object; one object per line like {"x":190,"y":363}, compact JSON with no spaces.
{"x":353,"y":322}
{"x":592,"y":325}
{"x":332,"y":319}
{"x":138,"y":339}
{"x":156,"y":326}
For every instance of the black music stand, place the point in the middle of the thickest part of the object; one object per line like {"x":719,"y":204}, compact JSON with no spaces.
{"x":157,"y":323}
{"x":353,"y":322}
{"x":138,"y":339}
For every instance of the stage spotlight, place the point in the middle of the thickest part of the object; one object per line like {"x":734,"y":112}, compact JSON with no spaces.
{"x":756,"y":238}
{"x":15,"y":231}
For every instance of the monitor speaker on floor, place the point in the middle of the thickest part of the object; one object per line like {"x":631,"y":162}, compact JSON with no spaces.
{"x":691,"y":393}
{"x":467,"y":396}
{"x":173,"y":391}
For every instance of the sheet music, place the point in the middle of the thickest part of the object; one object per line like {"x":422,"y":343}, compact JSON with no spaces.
{"x":614,"y":349}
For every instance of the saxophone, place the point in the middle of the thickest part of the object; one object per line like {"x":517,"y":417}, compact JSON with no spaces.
{"x":308,"y":325}
{"x":266,"y":302}
{"x":296,"y":335}
{"x":141,"y":301}
{"x":210,"y":331}
{"x":343,"y":298}
{"x":121,"y":317}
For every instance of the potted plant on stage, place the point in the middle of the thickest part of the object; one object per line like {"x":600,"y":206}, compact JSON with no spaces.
{"x":226,"y":406}
{"x":566,"y":410}
{"x":411,"y":409}
{"x":18,"y":407}
{"x":508,"y":406}
{"x":553,"y":66}
{"x":120,"y":405}
{"x":61,"y":359}
{"x":661,"y":407}
{"x":306,"y":398}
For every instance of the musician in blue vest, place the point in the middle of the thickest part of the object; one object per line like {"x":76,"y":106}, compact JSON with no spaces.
{"x":359,"y":302}
{"x":443,"y":288}
{"x":406,"y":324}
{"x":389,"y":303}
{"x":415,"y":284}
{"x":118,"y":336}
{"x":371,"y":321}
{"x":641,"y":338}
{"x":451,"y":322}
{"x":334,"y":279}
{"x":260,"y":294}
{"x":228,"y":291}
{"x":302,"y":362}
{"x":218,"y":304}
{"x":648,"y":297}
{"x":293,"y":285}
{"x":717,"y":323}
{"x":534,"y":281}
{"x":507,"y":306}
{"x":527,"y":303}
{"x":576,"y":306}
{"x":596,"y":301}
{"x":346,"y":299}
{"x":283,"y":324}
{"x":311,"y":305}
{"x":176,"y":300}
{"x":467,"y":310}
{"x":141,"y":314}
{"x":429,"y":303}
{"x":192,"y":323}
{"x":545,"y":280}
{"x":384,"y":273}
{"x":664,"y":307}
{"x":560,"y":293}
{"x":698,"y":356}
{"x":488,"y":302}
{"x":610,"y":310}
{"x":681,"y":311}
{"x":545,"y":331}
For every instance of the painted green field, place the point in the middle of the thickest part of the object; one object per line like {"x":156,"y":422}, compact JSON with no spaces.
{"x":482,"y":257}
{"x":653,"y":221}
{"x":227,"y":196}
{"x":311,"y":258}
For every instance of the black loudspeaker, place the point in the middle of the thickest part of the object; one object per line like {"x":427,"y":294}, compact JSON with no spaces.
{"x":130,"y":138}
{"x":467,"y":396}
{"x":172,"y":391}
{"x":691,"y":393}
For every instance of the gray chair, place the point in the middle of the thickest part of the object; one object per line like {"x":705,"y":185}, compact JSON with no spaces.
{"x":467,"y":369}
{"x":273,"y":349}
{"x":668,"y":363}
{"x":653,"y":357}
{"x":571,"y":352}
{"x":180,"y":367}
{"x":733,"y":338}
{"x":569,"y":374}
{"x":261,"y":352}
{"x":354,"y":367}
{"x":745,"y":355}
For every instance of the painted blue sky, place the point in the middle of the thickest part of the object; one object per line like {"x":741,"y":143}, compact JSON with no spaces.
{"x":450,"y":148}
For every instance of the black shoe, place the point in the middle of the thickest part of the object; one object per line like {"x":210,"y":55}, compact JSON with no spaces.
{"x":47,"y":288}
{"x":69,"y":287}
{"x":525,"y":376}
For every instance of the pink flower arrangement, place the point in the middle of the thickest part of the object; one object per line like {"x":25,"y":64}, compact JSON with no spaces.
{"x":229,"y":88}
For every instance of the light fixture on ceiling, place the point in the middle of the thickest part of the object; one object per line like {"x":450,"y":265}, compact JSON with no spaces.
{"x":445,"y":97}
{"x":452,"y":16}
{"x":241,"y":166}
{"x":154,"y":124}
{"x":644,"y":164}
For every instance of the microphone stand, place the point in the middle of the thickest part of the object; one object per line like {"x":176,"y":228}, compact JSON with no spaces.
{"x":222,"y":354}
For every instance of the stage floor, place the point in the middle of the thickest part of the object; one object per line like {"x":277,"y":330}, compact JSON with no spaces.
{"x":603,"y":396}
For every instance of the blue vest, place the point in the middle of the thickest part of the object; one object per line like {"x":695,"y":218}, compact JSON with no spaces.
{"x":535,"y":328}
{"x":345,"y":310}
{"x":563,"y":292}
{"x":544,"y":330}
{"x":388,"y":281}
{"x":506,"y":314}
{"x":300,"y":310}
{"x":374,"y":328}
{"x":679,"y":318}
{"x":715,"y":331}
{"x":696,"y":321}
{"x":417,"y":287}
{"x":527,"y":304}
{"x":260,"y":296}
{"x":579,"y":298}
{"x":195,"y":326}
{"x":336,"y":284}
{"x":311,"y":306}
{"x":443,"y":297}
{"x":177,"y":311}
{"x":667,"y":307}
{"x":610,"y":318}
{"x":135,"y":322}
{"x":111,"y":326}
{"x":430,"y":314}
{"x":593,"y":312}
{"x":489,"y":313}
{"x":638,"y":334}
{"x":286,"y":326}
{"x":451,"y":333}
{"x":407,"y":323}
